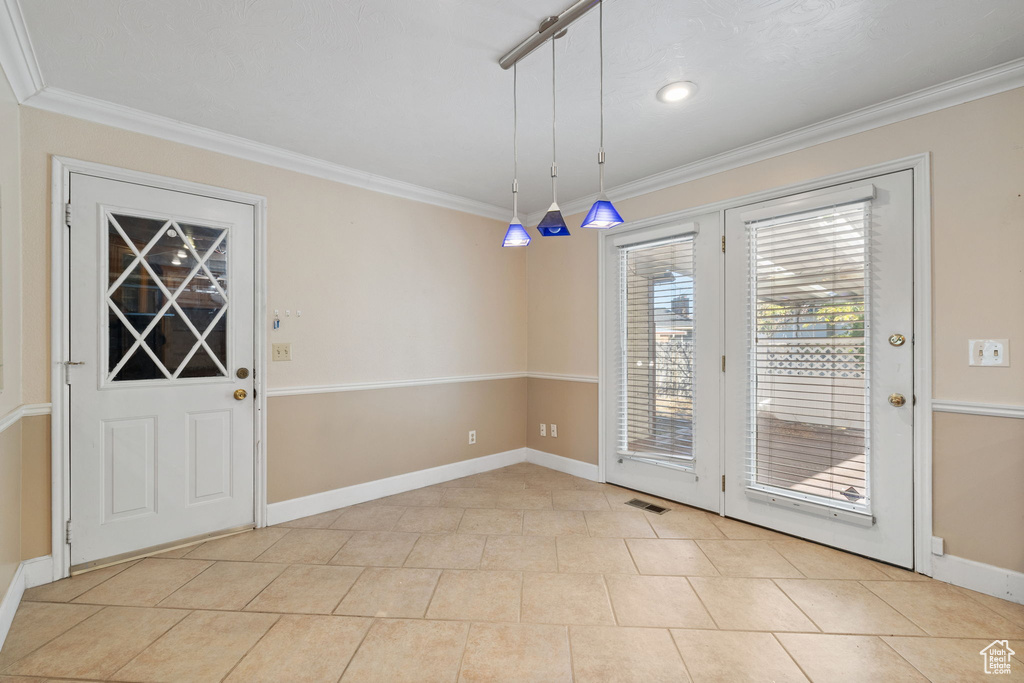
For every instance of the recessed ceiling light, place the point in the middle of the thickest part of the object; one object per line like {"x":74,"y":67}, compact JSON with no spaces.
{"x":677,"y":92}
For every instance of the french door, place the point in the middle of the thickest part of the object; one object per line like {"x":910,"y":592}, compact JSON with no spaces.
{"x":161,"y":385}
{"x":819,"y":385}
{"x":663,"y":297}
{"x":771,"y":383}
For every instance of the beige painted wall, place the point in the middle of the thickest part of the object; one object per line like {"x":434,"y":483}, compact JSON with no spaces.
{"x":35,"y":486}
{"x":10,"y":332}
{"x":979,"y":468}
{"x":570,"y":405}
{"x":10,"y":504}
{"x":319,"y":442}
{"x":388,"y":288}
{"x":10,"y":247}
{"x":977,"y":164}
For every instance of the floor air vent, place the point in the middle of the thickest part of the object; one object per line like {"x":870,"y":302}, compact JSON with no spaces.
{"x":649,"y":507}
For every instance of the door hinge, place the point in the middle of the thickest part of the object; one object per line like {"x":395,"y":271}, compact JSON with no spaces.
{"x":723,"y":363}
{"x":67,"y":532}
{"x":67,"y":214}
{"x":723,"y":483}
{"x":723,"y":242}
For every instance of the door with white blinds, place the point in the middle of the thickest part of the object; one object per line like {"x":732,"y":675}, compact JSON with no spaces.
{"x":663,"y":335}
{"x":819,"y":382}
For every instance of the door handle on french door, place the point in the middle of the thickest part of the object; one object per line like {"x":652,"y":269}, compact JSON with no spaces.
{"x":898,"y":400}
{"x":240,"y":394}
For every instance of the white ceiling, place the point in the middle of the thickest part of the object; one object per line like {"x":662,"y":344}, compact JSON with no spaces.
{"x":411,"y":89}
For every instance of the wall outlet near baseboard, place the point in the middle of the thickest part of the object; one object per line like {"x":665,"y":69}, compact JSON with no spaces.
{"x":472,"y":437}
{"x":543,"y":429}
{"x":554,"y":430}
{"x":938,"y":546}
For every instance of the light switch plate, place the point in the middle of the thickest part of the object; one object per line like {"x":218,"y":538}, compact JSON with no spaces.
{"x":989,"y":352}
{"x":282,"y":351}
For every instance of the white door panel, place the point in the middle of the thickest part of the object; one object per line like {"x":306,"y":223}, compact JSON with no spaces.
{"x":161,"y":319}
{"x":815,"y":285}
{"x":663,"y":320}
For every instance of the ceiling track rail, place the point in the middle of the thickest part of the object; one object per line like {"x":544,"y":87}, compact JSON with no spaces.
{"x":548,"y":28}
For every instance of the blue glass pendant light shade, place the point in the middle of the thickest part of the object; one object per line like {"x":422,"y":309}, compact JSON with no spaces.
{"x":516,"y":235}
{"x":553,"y":225}
{"x":602,"y":214}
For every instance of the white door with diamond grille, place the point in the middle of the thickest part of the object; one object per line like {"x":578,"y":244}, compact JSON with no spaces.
{"x":819,"y":384}
{"x":662,"y":348}
{"x":161,"y":339}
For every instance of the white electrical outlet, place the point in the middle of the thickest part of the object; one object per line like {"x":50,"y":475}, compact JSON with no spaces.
{"x":989,"y":352}
{"x":543,"y":429}
{"x":554,"y":430}
{"x":282,"y":351}
{"x":472,"y":437}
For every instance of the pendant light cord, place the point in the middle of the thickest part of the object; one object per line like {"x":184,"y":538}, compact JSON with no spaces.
{"x":600,"y":43}
{"x":554,"y":117}
{"x":515,"y":143}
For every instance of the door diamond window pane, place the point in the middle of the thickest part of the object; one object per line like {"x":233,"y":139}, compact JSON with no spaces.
{"x":139,"y":298}
{"x":169,"y":282}
{"x":201,"y":365}
{"x":140,"y":231}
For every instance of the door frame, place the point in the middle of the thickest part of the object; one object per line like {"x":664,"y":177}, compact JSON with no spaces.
{"x":920,"y":164}
{"x":60,"y":334}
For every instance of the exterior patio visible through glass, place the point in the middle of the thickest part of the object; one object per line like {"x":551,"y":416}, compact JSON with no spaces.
{"x":809,"y":355}
{"x":658,"y":350}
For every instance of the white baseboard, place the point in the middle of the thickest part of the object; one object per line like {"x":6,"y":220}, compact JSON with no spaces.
{"x":38,"y":570}
{"x":29,"y":574}
{"x":287,"y":510}
{"x":978,"y":576}
{"x":12,"y":598}
{"x":583,"y":470}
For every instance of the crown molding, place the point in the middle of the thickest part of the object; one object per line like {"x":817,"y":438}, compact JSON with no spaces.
{"x":116,"y":115}
{"x":974,"y":86}
{"x":19,"y":63}
{"x":17,"y":57}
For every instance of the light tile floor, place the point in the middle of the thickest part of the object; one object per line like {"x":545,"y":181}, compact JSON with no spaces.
{"x":521,"y":574}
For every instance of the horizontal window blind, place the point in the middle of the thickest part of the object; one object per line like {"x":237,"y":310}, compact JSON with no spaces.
{"x":657,"y":338}
{"x":809,"y":355}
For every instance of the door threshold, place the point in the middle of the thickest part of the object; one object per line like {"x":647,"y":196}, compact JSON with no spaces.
{"x":156,"y":550}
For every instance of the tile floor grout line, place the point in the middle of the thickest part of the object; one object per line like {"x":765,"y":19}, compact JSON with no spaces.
{"x":611,"y":603}
{"x":702,"y":604}
{"x":462,"y":657}
{"x":794,"y":603}
{"x":790,"y":655}
{"x":12,"y":663}
{"x":686,"y":668}
{"x":151,"y":643}
{"x":373,"y":622}
{"x":175,"y":590}
{"x":572,"y":663}
{"x":253,"y":646}
{"x":362,"y":570}
{"x":898,"y":610}
{"x":267,"y":549}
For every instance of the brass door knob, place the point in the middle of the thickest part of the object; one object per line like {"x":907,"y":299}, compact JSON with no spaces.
{"x":240,"y":394}
{"x":897,"y":339}
{"x":897,"y":400}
